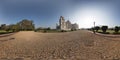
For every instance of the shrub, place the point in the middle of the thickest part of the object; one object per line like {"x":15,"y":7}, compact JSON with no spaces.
{"x":48,"y":28}
{"x":45,"y":31}
{"x":35,"y":30}
{"x":97,"y":28}
{"x":63,"y":31}
{"x":104,"y":28}
{"x":72,"y":30}
{"x":116,"y":29}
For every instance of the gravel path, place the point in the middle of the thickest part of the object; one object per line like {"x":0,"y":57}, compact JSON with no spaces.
{"x":77,"y":45}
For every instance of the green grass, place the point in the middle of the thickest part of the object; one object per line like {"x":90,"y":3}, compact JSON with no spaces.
{"x":2,"y":31}
{"x":5,"y":32}
{"x":52,"y":31}
{"x":109,"y":31}
{"x":48,"y":31}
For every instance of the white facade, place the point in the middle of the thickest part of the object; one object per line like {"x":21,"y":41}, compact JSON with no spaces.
{"x":66,"y":25}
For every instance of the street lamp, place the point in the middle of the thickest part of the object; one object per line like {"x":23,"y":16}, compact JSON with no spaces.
{"x":94,"y":24}
{"x":94,"y":27}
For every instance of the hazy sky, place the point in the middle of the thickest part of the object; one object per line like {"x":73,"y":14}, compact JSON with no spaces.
{"x":46,"y":13}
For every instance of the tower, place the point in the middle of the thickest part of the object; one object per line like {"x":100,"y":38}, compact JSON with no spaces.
{"x":68,"y":25}
{"x":62,"y":23}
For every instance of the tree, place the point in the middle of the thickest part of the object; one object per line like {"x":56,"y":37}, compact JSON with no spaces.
{"x":93,"y":29}
{"x":3,"y":27}
{"x":97,"y":28}
{"x":14,"y":27}
{"x":22,"y":25}
{"x":104,"y":28}
{"x":117,"y":29}
{"x":48,"y":28}
{"x":7,"y":28}
{"x":26,"y":25}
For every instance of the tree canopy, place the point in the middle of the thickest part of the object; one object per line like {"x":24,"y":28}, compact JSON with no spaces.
{"x":23,"y":25}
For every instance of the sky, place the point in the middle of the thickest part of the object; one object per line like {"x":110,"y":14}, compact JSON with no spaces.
{"x":46,"y":13}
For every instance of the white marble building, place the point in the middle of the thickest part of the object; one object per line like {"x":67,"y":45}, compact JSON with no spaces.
{"x":66,"y":25}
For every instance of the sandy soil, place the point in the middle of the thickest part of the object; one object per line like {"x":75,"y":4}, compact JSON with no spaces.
{"x":78,"y":45}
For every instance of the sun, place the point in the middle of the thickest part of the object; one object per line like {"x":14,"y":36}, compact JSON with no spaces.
{"x":87,"y":16}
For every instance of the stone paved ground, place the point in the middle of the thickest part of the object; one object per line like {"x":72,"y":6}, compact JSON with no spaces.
{"x":78,"y":45}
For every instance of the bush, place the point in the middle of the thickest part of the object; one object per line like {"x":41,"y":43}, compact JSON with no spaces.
{"x":72,"y":30}
{"x":104,"y":33}
{"x":63,"y":31}
{"x":5,"y":32}
{"x":116,"y":33}
{"x":48,"y":28}
{"x":35,"y":30}
{"x":104,"y":28}
{"x":97,"y":28}
{"x":45,"y":31}
{"x":116,"y":29}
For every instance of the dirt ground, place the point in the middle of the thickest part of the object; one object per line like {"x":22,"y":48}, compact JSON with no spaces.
{"x":77,"y":45}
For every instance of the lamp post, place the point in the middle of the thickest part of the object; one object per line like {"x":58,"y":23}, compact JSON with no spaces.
{"x":94,"y":24}
{"x":94,"y":27}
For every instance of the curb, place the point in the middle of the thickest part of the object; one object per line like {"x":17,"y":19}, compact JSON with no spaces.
{"x":106,"y":35}
{"x":4,"y":35}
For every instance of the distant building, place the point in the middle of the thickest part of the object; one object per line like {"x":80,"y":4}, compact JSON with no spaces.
{"x":66,"y":25}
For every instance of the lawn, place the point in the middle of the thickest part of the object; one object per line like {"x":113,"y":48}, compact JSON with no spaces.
{"x":5,"y":32}
{"x":46,"y":31}
{"x":53,"y":31}
{"x":109,"y":31}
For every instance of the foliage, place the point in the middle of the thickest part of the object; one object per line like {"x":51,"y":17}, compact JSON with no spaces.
{"x":25,"y":25}
{"x":3,"y":26}
{"x":5,"y":32}
{"x":97,"y":28}
{"x":48,"y":28}
{"x":104,"y":28}
{"x":63,"y":31}
{"x":45,"y":31}
{"x":117,"y":29}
